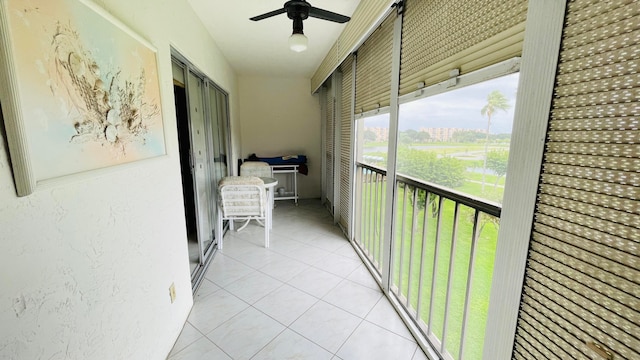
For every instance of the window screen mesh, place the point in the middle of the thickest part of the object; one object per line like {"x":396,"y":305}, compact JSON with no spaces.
{"x":441,"y":35}
{"x":582,"y":281}
{"x":345,"y":142}
{"x":373,"y":69}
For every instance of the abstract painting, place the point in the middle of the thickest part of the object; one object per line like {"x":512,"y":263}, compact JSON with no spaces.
{"x":82,"y":88}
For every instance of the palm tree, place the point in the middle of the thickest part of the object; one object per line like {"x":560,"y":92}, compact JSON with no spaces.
{"x":495,"y":101}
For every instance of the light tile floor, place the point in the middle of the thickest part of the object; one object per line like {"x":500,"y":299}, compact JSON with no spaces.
{"x":306,"y":297}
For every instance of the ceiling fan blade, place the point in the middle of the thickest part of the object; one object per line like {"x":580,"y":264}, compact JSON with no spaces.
{"x":327,"y":15}
{"x":269,"y":14}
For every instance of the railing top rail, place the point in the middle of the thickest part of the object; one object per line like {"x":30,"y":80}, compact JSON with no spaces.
{"x":486,"y":206}
{"x":372,"y":168}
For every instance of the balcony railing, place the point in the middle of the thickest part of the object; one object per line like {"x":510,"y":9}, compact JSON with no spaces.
{"x":443,"y":251}
{"x":370,"y":200}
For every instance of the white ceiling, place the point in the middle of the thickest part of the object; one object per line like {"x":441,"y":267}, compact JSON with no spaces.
{"x":261,"y":48}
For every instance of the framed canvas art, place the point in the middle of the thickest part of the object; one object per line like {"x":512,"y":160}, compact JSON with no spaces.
{"x":79,"y":91}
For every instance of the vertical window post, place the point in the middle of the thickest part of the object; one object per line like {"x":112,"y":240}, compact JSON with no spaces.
{"x":391,"y":151}
{"x":539,"y":61}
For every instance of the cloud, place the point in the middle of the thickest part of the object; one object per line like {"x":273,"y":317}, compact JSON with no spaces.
{"x":458,"y":108}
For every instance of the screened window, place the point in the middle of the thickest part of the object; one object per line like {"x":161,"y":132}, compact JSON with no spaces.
{"x":460,"y":139}
{"x":373,"y":140}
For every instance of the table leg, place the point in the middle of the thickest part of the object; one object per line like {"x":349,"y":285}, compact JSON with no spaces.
{"x":271,"y":201}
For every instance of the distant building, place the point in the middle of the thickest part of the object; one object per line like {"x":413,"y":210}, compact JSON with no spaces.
{"x":382,"y":134}
{"x":445,"y":134}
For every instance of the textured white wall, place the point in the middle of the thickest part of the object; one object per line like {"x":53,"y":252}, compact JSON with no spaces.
{"x":85,"y":266}
{"x":278,"y":117}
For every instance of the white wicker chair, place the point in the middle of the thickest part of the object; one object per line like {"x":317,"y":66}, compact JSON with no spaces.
{"x":256,"y":168}
{"x":242,"y":198}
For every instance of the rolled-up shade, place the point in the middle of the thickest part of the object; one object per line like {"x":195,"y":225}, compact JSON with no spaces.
{"x":441,"y":35}
{"x":373,"y":68}
{"x":364,"y":18}
{"x":345,"y":142}
{"x":329,"y":141}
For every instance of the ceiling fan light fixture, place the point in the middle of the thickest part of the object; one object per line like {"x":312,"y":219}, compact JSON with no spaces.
{"x":299,"y":10}
{"x":298,"y":42}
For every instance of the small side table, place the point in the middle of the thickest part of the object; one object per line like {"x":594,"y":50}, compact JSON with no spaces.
{"x":270,"y":185}
{"x":290,"y":174}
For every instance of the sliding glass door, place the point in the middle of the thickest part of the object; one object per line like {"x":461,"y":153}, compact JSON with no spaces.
{"x":202,"y":121}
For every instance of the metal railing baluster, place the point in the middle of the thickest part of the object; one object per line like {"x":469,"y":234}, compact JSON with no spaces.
{"x":369,"y":210}
{"x":357,"y":211}
{"x":452,"y":254}
{"x":467,"y":296}
{"x":412,"y":244}
{"x":375,"y":245}
{"x":402,"y":232}
{"x":436,"y":253}
{"x":425,"y":227}
{"x":383,"y":181}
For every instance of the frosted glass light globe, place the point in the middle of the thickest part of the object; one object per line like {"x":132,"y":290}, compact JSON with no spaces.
{"x":298,"y":42}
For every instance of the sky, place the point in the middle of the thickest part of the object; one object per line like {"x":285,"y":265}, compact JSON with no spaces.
{"x":459,"y":108}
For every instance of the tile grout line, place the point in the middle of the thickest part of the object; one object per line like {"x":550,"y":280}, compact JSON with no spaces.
{"x":320,"y":231}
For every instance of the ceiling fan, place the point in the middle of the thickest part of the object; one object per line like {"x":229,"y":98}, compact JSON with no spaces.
{"x":298,"y":10}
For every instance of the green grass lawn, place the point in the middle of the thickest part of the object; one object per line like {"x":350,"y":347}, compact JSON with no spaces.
{"x":413,"y":260}
{"x":489,"y":179}
{"x":489,"y":193}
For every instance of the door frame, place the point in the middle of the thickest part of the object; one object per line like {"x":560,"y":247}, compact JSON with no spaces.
{"x":205,"y":254}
